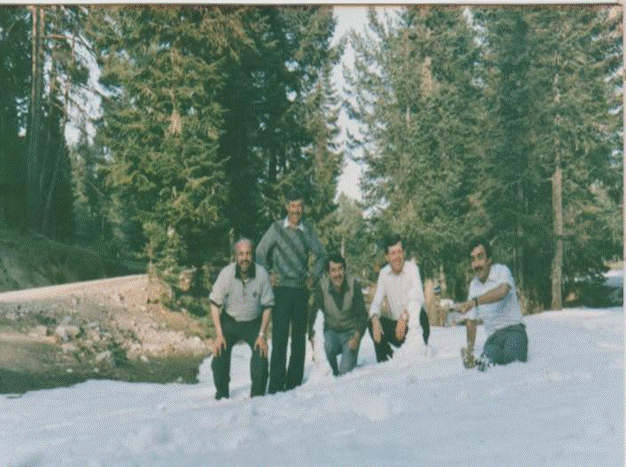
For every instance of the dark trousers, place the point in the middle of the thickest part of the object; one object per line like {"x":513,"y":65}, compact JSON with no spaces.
{"x":507,"y":345}
{"x":247,"y":331}
{"x":383,"y":348}
{"x":290,"y":310}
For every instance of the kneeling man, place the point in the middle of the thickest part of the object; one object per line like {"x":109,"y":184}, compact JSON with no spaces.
{"x":345,"y":319}
{"x":492,"y":296}
{"x":243,"y":294}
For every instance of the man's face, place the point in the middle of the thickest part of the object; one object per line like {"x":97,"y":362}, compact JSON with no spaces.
{"x":395,"y":257}
{"x":295,"y":209}
{"x":243,"y":256}
{"x":481,"y":264}
{"x":336,"y":274}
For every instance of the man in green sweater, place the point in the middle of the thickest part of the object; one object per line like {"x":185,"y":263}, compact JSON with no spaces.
{"x":345,"y":319}
{"x":284,"y":252}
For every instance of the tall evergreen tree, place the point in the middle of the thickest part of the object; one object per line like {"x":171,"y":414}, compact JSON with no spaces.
{"x":556,"y":139}
{"x":469,"y":114}
{"x":14,"y":72}
{"x":43,"y":73}
{"x":161,"y":123}
{"x":322,"y":107}
{"x":413,"y":92}
{"x":268,"y":134}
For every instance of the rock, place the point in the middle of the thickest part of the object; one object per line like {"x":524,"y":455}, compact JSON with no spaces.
{"x":40,"y":331}
{"x":105,"y":357}
{"x":66,"y":320}
{"x":68,"y":347}
{"x":61,"y":334}
{"x":66,"y":333}
{"x":93,"y":335}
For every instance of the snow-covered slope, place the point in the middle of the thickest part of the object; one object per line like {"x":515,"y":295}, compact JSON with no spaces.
{"x":565,"y":407}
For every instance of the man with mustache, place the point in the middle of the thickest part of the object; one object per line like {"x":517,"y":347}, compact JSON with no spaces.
{"x":493,"y":297}
{"x":241,"y":304}
{"x":340,"y":298}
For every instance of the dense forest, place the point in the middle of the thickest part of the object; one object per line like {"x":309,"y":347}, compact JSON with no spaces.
{"x":159,"y":134}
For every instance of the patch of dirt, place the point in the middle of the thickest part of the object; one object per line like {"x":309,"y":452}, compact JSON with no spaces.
{"x":100,"y":329}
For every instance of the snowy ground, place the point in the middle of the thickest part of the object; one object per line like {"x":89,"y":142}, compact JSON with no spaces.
{"x":565,"y":407}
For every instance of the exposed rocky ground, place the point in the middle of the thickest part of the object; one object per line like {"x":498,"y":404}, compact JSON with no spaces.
{"x":62,"y":334}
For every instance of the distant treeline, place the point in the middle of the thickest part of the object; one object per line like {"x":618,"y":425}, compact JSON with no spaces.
{"x":192,"y":120}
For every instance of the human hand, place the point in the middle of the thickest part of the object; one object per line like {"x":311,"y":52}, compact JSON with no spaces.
{"x":354,"y":342}
{"x":274,"y":279}
{"x":401,"y":329}
{"x":310,"y":283}
{"x":464,"y":307}
{"x":218,"y":345}
{"x":377,"y":330}
{"x":261,"y":344}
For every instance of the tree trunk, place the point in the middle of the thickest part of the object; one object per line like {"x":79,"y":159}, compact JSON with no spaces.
{"x":557,"y":262}
{"x":557,"y":208}
{"x":519,"y":247}
{"x":60,"y":148}
{"x":34,"y":124}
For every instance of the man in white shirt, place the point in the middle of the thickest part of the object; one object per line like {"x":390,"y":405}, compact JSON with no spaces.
{"x":492,"y":297}
{"x":400,"y":286}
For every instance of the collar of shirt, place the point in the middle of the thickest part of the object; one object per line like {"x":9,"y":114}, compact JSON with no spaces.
{"x":299,"y":226}
{"x":389,"y":271}
{"x":251,"y":272}
{"x":342,"y":291}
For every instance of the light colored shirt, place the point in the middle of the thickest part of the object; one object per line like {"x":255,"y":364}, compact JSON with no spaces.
{"x":242,"y":300}
{"x":497,"y":315}
{"x":286,"y":224}
{"x":403,"y":292}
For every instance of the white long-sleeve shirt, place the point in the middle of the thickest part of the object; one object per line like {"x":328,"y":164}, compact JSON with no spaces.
{"x":403,"y":291}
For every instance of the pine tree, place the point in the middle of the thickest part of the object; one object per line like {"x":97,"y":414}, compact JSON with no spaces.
{"x":269,"y":135}
{"x":554,"y":141}
{"x":14,"y":71}
{"x":162,"y":67}
{"x":54,"y":75}
{"x":576,"y":56}
{"x":322,"y":107}
{"x":415,"y":97}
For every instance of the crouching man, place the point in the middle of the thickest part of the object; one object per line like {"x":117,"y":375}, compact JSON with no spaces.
{"x":400,"y":286}
{"x":492,"y":297}
{"x":345,"y":319}
{"x":241,"y":304}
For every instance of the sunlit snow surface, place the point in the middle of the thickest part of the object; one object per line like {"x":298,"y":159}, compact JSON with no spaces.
{"x":565,"y":407}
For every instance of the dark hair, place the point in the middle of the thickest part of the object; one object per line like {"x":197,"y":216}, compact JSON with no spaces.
{"x":335,"y":257}
{"x":480,"y":241}
{"x":391,"y":240}
{"x":294,"y":194}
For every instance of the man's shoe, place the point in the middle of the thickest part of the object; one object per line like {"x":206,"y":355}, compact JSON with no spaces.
{"x":468,"y":358}
{"x":220,"y":395}
{"x":484,"y":363}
